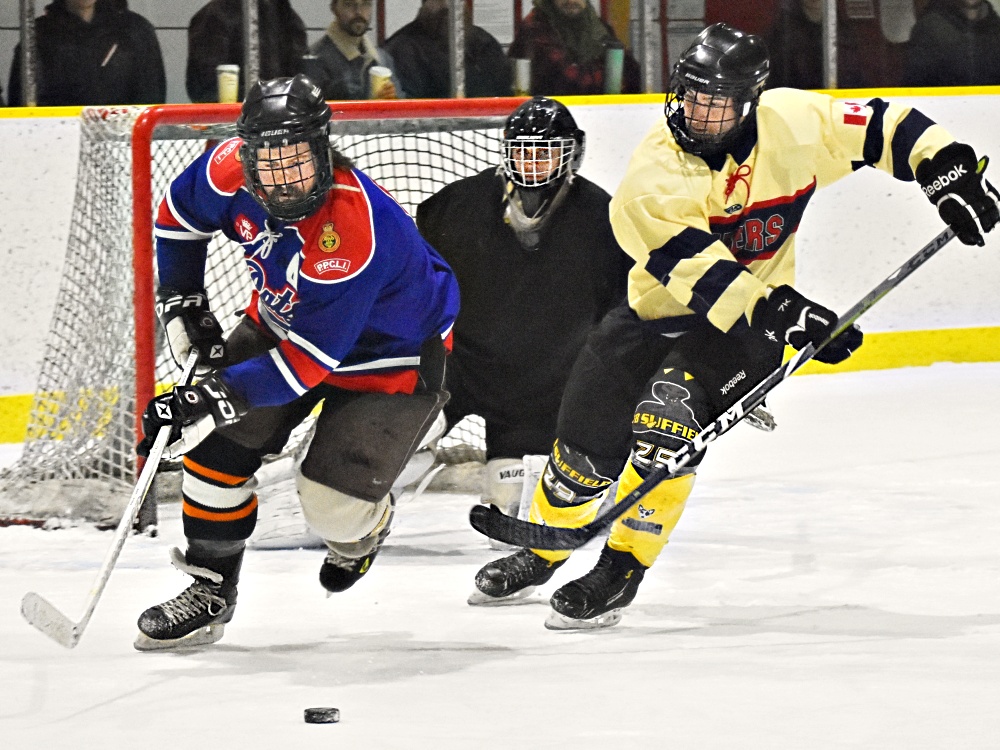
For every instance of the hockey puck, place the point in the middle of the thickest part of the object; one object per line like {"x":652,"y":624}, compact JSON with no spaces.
{"x":322,"y":715}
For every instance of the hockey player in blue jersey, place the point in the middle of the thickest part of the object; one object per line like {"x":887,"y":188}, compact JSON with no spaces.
{"x":349,"y":306}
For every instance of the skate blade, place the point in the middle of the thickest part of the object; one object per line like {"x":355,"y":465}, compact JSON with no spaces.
{"x":201,"y":637}
{"x":478,"y":599}
{"x":556,"y":621}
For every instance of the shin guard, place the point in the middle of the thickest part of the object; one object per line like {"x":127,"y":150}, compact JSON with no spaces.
{"x":569,"y":494}
{"x":645,"y":528}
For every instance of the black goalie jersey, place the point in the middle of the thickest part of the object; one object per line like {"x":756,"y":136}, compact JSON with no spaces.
{"x":524,"y":313}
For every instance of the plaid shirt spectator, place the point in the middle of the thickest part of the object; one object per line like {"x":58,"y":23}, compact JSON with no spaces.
{"x":558,"y":66}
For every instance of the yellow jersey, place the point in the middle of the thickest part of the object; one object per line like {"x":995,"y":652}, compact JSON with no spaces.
{"x":711,"y":235}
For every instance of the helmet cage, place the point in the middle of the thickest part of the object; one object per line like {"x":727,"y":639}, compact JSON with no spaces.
{"x":535,"y":161}
{"x":264,"y":155}
{"x":716,"y":123}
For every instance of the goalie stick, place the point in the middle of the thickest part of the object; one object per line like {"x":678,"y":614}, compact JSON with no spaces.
{"x":38,"y":611}
{"x":492,"y":522}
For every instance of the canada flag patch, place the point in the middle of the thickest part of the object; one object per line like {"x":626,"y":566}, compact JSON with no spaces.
{"x":855,"y":114}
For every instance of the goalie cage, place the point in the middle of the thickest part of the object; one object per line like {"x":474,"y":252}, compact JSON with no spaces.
{"x":105,"y":353}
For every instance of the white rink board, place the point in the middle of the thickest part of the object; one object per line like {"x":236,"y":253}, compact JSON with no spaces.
{"x":856,"y":232}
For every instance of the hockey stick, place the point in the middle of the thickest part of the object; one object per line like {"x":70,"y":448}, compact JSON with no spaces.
{"x":492,"y":522}
{"x":39,"y":612}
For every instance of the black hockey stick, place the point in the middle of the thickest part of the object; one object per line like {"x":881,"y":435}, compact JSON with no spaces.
{"x":43,"y":615}
{"x":492,"y":522}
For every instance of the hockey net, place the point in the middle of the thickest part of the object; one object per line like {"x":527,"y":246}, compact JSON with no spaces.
{"x":105,"y":356}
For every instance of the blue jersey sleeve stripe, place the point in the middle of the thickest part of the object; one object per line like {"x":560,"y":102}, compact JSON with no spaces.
{"x":685,"y":245}
{"x":286,"y":372}
{"x":313,"y":351}
{"x":183,"y":220}
{"x":382,"y":364}
{"x":181,"y":235}
{"x":913,"y":126}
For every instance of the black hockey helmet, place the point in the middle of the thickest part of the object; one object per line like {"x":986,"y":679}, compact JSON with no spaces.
{"x":542,"y":124}
{"x":285,"y":112}
{"x":719,"y":78}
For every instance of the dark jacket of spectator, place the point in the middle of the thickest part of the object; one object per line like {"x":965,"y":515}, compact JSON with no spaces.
{"x":795,"y":43}
{"x":113,"y":59}
{"x":948,"y":49}
{"x":420,"y":53}
{"x":215,"y":37}
{"x":567,"y":54}
{"x":340,"y":67}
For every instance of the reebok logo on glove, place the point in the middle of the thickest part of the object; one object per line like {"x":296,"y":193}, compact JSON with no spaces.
{"x":944,"y":180}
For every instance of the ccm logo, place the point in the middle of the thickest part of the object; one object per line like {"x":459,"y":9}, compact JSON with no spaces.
{"x":333,"y":264}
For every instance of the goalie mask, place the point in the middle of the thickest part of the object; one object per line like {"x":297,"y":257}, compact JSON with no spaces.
{"x":286,"y":154}
{"x":714,"y":89}
{"x":542,"y":146}
{"x":542,"y":151}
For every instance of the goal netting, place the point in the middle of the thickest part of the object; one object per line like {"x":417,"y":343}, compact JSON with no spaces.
{"x":105,"y":356}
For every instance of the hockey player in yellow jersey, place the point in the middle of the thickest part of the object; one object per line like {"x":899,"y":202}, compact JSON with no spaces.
{"x":708,"y":209}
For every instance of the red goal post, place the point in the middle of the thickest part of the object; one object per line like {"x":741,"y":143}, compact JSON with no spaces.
{"x":104,"y":356}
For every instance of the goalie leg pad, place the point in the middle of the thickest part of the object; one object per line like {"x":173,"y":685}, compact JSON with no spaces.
{"x":570,"y":492}
{"x":645,"y":528}
{"x":503,"y":483}
{"x":338,"y":517}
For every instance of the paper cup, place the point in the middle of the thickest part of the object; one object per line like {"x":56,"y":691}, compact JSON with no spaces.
{"x":377,"y":77}
{"x":229,"y":83}
{"x":522,"y":77}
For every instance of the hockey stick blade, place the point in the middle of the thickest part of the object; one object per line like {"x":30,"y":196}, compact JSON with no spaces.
{"x":496,"y":525}
{"x":39,"y":612}
{"x":43,"y":616}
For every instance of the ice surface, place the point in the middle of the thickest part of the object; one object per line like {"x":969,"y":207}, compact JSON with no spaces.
{"x":835,"y":584}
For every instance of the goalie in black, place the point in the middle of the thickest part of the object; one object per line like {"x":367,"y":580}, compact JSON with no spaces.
{"x":537,"y":266}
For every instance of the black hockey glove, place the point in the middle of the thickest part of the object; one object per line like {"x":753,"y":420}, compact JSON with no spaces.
{"x":788,"y":317}
{"x":192,"y":412}
{"x":188,"y":321}
{"x":953,"y":181}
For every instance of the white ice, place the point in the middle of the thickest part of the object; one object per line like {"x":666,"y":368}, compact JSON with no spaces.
{"x":835,"y":584}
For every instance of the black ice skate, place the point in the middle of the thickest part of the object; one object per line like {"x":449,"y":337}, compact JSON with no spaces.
{"x":597,"y":599}
{"x":511,"y":579}
{"x":197,"y":616}
{"x":347,"y":562}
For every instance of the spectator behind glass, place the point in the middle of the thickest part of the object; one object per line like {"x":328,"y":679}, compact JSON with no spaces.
{"x":420,"y":50}
{"x":566,"y":42}
{"x":93,"y":52}
{"x":215,"y":37}
{"x":340,"y":61}
{"x":954,"y":43}
{"x":795,"y":44}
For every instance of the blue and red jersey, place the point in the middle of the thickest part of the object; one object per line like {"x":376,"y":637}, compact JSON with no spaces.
{"x":352,"y":291}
